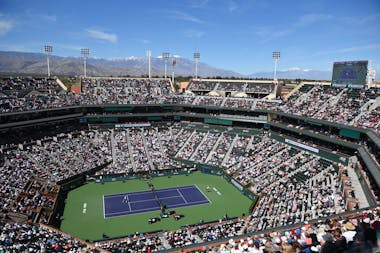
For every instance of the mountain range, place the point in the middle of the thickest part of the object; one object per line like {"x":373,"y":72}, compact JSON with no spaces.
{"x":35,"y":64}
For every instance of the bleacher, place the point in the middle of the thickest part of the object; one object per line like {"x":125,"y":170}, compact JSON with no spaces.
{"x":231,"y":88}
{"x":20,"y":87}
{"x":266,"y":166}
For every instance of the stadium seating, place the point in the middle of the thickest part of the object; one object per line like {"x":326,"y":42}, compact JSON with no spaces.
{"x":317,"y":101}
{"x":294,"y":186}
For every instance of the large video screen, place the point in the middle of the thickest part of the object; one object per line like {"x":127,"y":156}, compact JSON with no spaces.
{"x":350,"y":72}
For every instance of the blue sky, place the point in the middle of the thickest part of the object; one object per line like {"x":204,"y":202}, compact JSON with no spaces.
{"x":230,"y":34}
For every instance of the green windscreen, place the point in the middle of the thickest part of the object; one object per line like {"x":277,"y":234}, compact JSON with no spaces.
{"x":218,"y":121}
{"x":349,"y":133}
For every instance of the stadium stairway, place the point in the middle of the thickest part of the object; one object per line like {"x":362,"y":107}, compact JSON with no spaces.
{"x":223,"y":102}
{"x":253,"y":107}
{"x":61,"y":84}
{"x":146,"y":150}
{"x":195,"y":100}
{"x":359,"y":193}
{"x":164,"y":242}
{"x":371,"y":105}
{"x":332,"y":101}
{"x":291,"y":92}
{"x":229,"y":150}
{"x":304,"y":95}
{"x":292,"y":160}
{"x":113,"y":146}
{"x":186,"y":142}
{"x":199,"y":145}
{"x":216,"y":87}
{"x":162,"y":145}
{"x":130,"y":151}
{"x":179,"y":133}
{"x":250,"y":144}
{"x":213,"y":149}
{"x":269,"y":158}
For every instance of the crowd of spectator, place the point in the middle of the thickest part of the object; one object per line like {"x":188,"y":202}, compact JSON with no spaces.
{"x":370,"y":119}
{"x":219,"y":231}
{"x":70,"y":155}
{"x":18,"y":86}
{"x":350,"y":234}
{"x":126,"y":91}
{"x":134,"y":243}
{"x":240,"y":103}
{"x":341,"y":105}
{"x":200,"y":85}
{"x":294,"y":186}
{"x":260,"y":88}
{"x":231,"y":86}
{"x":311,"y":104}
{"x":357,"y":233}
{"x":208,"y":100}
{"x":30,"y":172}
{"x":16,"y":237}
{"x":180,"y":238}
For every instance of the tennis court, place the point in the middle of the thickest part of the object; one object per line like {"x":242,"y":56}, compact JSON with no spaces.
{"x":147,"y":201}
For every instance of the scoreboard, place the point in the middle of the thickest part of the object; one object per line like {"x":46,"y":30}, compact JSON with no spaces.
{"x":350,"y":73}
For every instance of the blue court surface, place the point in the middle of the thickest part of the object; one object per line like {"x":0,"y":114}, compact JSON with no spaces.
{"x":146,"y":201}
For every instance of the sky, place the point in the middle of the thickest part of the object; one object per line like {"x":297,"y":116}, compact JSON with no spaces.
{"x":228,"y":34}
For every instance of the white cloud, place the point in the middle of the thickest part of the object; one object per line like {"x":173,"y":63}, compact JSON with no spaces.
{"x":309,"y":19}
{"x":44,"y":16}
{"x":296,"y":69}
{"x":182,"y":16}
{"x":198,"y":3}
{"x":14,"y":47}
{"x":362,"y":20}
{"x":232,"y":6}
{"x":192,"y":33}
{"x":101,"y":35}
{"x":268,"y":32}
{"x":48,"y":17}
{"x":349,"y":49}
{"x":5,"y":26}
{"x":144,"y":41}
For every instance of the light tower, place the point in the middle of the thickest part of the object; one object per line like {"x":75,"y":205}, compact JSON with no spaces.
{"x":48,"y":51}
{"x":149,"y":54}
{"x":276,"y":56}
{"x":197,"y":55}
{"x":174,"y":62}
{"x":165,"y":56}
{"x":85,"y":52}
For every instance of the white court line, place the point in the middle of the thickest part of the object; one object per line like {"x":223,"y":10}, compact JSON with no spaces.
{"x":139,"y":201}
{"x":144,"y":192}
{"x":144,"y":209}
{"x":104,"y":209}
{"x":129,"y":205}
{"x":147,"y":200}
{"x":155,"y":209}
{"x":197,"y":203}
{"x":182,"y":196}
{"x":125,"y":212}
{"x":202,"y":193}
{"x":186,"y":186}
